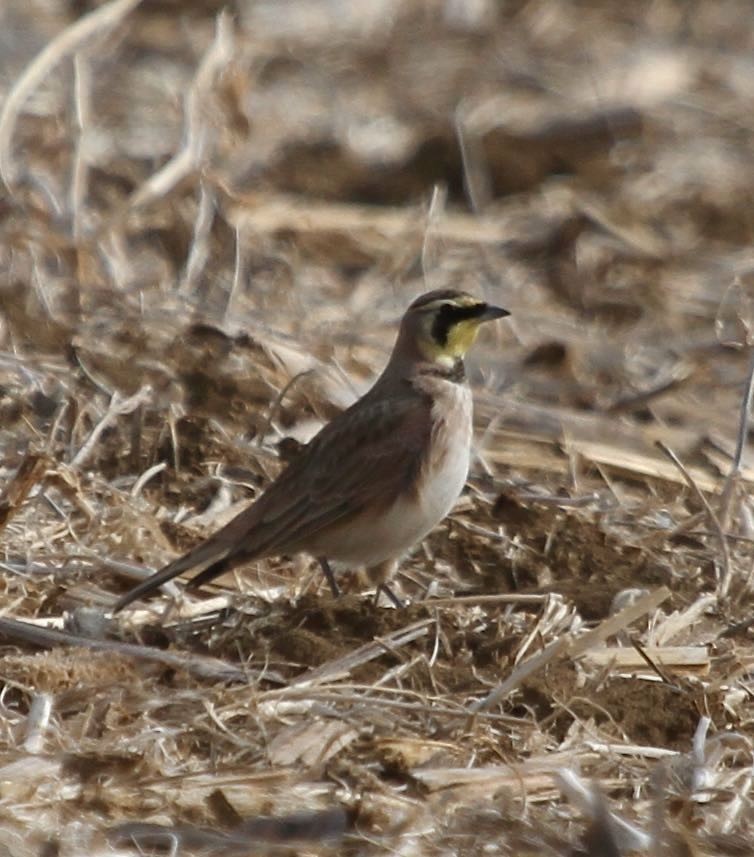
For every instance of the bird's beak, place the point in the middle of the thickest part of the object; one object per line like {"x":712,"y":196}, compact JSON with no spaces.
{"x":490,"y":313}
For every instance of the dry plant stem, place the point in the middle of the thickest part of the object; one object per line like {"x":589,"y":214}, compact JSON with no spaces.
{"x":239,"y":274}
{"x":197,"y":130}
{"x":637,"y":750}
{"x":743,"y":432}
{"x":201,"y":667}
{"x":360,"y":701}
{"x":558,"y":500}
{"x":679,"y":621}
{"x":573,"y":646}
{"x":595,"y":438}
{"x":269,"y":214}
{"x":200,"y":245}
{"x":369,"y":651}
{"x":83,"y":91}
{"x":38,"y":280}
{"x":522,"y":672}
{"x":723,"y":582}
{"x":613,"y":624}
{"x":180,"y":612}
{"x":653,"y":665}
{"x":476,"y":178}
{"x":146,"y":476}
{"x":538,"y":770}
{"x":430,"y":252}
{"x":686,"y":526}
{"x":555,"y":617}
{"x":474,"y":600}
{"x":118,"y":407}
{"x":694,"y":659}
{"x":38,"y":722}
{"x":70,"y":40}
{"x":592,"y":803}
{"x":17,"y":490}
{"x":275,"y":406}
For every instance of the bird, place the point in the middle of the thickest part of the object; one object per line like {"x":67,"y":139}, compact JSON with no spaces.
{"x":378,"y":477}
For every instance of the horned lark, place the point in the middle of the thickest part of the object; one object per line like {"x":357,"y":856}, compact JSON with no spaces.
{"x":376,"y":479}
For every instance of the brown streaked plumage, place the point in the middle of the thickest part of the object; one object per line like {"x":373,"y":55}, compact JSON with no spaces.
{"x":376,"y":479}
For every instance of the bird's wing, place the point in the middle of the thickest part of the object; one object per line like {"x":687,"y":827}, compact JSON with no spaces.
{"x":364,"y":461}
{"x":365,"y":458}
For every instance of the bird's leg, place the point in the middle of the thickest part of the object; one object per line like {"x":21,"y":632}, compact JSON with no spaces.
{"x":383,"y":587}
{"x":329,"y":576}
{"x":379,"y":575}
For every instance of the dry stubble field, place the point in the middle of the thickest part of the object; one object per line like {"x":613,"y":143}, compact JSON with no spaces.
{"x":209,"y":225}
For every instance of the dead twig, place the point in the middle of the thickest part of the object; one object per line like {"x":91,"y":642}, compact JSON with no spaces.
{"x":723,"y":581}
{"x":197,"y":129}
{"x":64,"y":44}
{"x":17,"y":490}
{"x":343,"y":666}
{"x":118,"y":407}
{"x":731,"y":479}
{"x":201,"y":667}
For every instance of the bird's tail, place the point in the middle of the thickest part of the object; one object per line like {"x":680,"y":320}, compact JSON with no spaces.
{"x":208,"y":559}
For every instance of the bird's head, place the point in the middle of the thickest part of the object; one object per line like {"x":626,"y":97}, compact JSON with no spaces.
{"x":442,"y":325}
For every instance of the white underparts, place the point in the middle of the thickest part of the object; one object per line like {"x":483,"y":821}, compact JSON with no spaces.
{"x":376,"y":538}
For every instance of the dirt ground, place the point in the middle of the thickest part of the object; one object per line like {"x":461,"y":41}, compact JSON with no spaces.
{"x":212,"y":218}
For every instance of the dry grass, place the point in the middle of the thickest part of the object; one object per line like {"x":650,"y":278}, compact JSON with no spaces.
{"x":210,"y":227}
